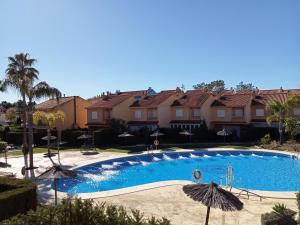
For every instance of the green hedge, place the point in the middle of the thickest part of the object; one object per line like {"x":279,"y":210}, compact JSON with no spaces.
{"x":16,"y":196}
{"x":83,"y":212}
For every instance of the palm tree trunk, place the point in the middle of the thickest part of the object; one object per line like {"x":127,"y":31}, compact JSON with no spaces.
{"x":280,"y":132}
{"x":30,"y":135}
{"x":25,"y":140}
{"x":49,"y":139}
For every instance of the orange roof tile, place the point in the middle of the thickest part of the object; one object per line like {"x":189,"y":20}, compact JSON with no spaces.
{"x":155,"y":100}
{"x":115,"y":99}
{"x":233,"y":99}
{"x":52,"y":103}
{"x":193,"y":98}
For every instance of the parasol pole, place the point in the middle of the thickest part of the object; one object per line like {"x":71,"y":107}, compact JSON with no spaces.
{"x":207,"y":215}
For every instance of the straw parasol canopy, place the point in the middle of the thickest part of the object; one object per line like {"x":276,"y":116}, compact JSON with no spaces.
{"x":186,"y":133}
{"x":224,"y":133}
{"x":125,"y":134}
{"x":84,"y":136}
{"x":211,"y":195}
{"x":54,"y":173}
{"x":156,"y":134}
{"x":51,"y":138}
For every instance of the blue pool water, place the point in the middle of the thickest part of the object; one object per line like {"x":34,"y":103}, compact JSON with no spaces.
{"x":251,"y":170}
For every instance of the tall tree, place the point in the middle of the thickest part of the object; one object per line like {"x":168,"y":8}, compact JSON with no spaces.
{"x":49,"y":120}
{"x":21,"y":76}
{"x":217,"y":85}
{"x":244,"y":86}
{"x":36,"y":92}
{"x":279,"y":113}
{"x":20,"y":73}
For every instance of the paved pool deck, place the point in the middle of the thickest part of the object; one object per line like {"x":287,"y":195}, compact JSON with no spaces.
{"x":158,"y":199}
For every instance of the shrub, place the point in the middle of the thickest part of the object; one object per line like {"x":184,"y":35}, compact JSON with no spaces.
{"x":277,"y":219}
{"x":16,"y":196}
{"x":83,"y":212}
{"x":3,"y":145}
{"x":265,"y":140}
{"x":280,"y":216}
{"x":279,"y":208}
{"x":298,"y":204}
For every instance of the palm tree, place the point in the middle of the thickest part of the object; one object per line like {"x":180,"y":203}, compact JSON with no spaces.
{"x":279,"y":112}
{"x":50,"y":120}
{"x":20,"y":73}
{"x":21,"y":76}
{"x":36,"y":92}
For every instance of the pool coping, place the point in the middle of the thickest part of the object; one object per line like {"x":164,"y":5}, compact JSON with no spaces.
{"x":154,"y":185}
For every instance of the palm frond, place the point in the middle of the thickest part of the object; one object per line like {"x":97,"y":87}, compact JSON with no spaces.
{"x":42,"y":90}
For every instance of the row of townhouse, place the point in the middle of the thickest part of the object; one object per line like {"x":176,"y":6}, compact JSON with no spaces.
{"x":173,"y":108}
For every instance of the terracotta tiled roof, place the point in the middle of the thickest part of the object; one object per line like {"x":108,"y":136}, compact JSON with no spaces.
{"x":52,"y":103}
{"x":233,"y":99}
{"x":115,"y":99}
{"x":192,"y":99}
{"x":265,"y":98}
{"x":155,"y":100}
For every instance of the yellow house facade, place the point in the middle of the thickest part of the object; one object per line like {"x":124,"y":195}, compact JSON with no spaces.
{"x":72,"y":106}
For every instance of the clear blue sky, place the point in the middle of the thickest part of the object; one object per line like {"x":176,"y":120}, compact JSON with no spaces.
{"x":85,"y":47}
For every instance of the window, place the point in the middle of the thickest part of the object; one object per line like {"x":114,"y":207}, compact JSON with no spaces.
{"x":152,"y":114}
{"x":238,"y":113}
{"x":179,"y":113}
{"x":196,"y":112}
{"x":259,"y":112}
{"x":94,"y":115}
{"x":137,"y":114}
{"x":296,"y":111}
{"x":221,"y":113}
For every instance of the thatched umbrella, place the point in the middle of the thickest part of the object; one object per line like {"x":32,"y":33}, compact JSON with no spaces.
{"x":125,"y":135}
{"x":49,"y":139}
{"x":186,"y":133}
{"x":211,"y":195}
{"x":54,"y":173}
{"x":224,"y":133}
{"x":85,"y":137}
{"x":156,"y":134}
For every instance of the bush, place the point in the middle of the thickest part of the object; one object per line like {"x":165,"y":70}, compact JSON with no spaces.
{"x":298,"y":204}
{"x":3,"y":146}
{"x":16,"y":196}
{"x":273,"y":218}
{"x":265,"y":140}
{"x":83,"y":212}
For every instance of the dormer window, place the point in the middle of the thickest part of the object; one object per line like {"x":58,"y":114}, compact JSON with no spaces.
{"x":137,"y":98}
{"x":151,"y":92}
{"x":259,"y":112}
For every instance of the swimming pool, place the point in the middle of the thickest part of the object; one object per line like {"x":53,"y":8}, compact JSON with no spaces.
{"x":251,"y":170}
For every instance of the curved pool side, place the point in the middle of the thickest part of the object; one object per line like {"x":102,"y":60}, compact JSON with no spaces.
{"x":147,"y":186}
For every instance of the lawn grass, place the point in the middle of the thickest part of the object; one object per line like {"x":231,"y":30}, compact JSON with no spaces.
{"x":138,"y":148}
